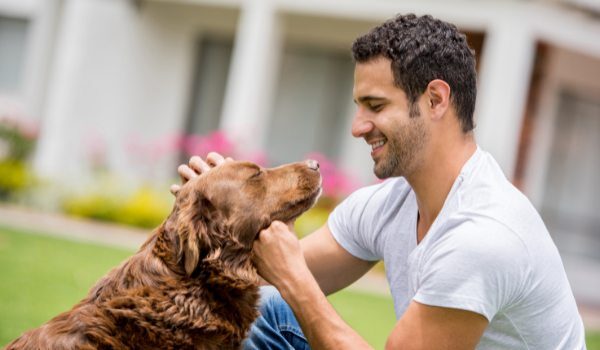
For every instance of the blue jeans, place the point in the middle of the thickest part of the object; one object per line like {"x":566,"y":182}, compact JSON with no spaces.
{"x":276,"y":328}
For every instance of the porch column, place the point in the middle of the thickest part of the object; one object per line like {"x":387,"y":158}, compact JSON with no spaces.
{"x":252,"y":75}
{"x":54,"y":149}
{"x":506,"y":66}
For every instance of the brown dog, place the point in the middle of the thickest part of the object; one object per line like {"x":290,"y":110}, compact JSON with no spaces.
{"x":192,"y":284}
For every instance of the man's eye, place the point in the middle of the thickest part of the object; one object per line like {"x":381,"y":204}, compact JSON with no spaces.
{"x":376,"y":108}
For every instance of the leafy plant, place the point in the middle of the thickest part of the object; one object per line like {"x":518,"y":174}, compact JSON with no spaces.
{"x":144,"y":207}
{"x":14,"y":177}
{"x":17,"y":141}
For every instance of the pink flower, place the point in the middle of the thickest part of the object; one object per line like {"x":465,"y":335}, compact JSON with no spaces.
{"x":257,"y":157}
{"x":216,"y":141}
{"x":336,"y":183}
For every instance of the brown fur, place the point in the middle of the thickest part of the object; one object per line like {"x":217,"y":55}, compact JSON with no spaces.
{"x":192,"y":284}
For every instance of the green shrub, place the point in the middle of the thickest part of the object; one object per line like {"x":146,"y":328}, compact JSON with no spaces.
{"x":16,"y":145}
{"x":16,"y":142}
{"x":144,"y":208}
{"x":14,"y":177}
{"x":97,"y":205}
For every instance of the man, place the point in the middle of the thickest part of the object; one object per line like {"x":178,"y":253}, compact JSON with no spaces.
{"x":469,"y":261}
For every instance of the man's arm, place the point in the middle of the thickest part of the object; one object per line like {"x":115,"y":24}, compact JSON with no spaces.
{"x":279,"y":260}
{"x":330,"y":264}
{"x":431,"y":327}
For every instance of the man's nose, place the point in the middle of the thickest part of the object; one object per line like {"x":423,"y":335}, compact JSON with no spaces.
{"x":361,"y":125}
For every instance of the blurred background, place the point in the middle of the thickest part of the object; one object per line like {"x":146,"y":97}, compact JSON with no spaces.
{"x":100,"y":100}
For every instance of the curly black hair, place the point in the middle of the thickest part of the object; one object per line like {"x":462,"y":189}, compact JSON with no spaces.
{"x":423,"y":49}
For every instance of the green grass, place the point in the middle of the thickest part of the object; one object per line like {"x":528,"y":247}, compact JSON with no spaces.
{"x":42,"y":276}
{"x":372,"y":316}
{"x":592,"y":340}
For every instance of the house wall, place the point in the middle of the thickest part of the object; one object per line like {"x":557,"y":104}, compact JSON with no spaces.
{"x":570,"y":211}
{"x":120,"y":76}
{"x":103,"y":74}
{"x":565,"y":71}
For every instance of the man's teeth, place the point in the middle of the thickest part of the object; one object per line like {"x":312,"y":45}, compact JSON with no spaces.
{"x":377,"y":144}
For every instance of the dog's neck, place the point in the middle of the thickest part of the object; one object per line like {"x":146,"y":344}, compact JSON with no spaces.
{"x":226,"y":265}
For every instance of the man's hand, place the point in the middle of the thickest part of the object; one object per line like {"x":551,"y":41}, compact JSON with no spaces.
{"x":196,"y":167}
{"x":279,"y":259}
{"x":278,"y":256}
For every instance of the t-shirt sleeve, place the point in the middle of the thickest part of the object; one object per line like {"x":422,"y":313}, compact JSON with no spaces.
{"x":346,"y":224}
{"x":474,"y":267}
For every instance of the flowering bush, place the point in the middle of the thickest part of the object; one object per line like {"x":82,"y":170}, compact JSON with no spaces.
{"x":17,"y":140}
{"x":189,"y":145}
{"x":147,"y":208}
{"x":216,"y":141}
{"x":336,"y":183}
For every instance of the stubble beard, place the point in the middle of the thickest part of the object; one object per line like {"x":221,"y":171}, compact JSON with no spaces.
{"x":403,"y":150}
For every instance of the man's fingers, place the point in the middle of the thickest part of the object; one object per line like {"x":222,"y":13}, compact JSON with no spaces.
{"x":278,"y":225}
{"x":175,"y":189}
{"x":186,"y":173}
{"x":198,"y":165}
{"x":277,"y":228}
{"x":214,"y":159}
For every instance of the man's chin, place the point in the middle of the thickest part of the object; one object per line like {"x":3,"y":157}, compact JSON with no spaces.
{"x":379,"y":171}
{"x":383,"y":173}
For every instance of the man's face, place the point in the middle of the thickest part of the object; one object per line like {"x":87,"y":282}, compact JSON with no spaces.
{"x":382,"y":119}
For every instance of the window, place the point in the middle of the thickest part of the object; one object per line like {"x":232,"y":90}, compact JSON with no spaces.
{"x":214,"y":56}
{"x":572,"y":191}
{"x":13,"y":33}
{"x":311,"y":103}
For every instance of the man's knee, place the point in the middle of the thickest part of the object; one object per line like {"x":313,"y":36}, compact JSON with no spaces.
{"x":277,"y":323}
{"x":270,"y":301}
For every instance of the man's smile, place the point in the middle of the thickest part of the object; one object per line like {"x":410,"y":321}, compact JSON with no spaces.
{"x":377,"y":145}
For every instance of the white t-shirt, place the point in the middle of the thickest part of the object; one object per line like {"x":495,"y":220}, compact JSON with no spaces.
{"x":488,"y":252}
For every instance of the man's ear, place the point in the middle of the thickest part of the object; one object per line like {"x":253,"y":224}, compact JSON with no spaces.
{"x":437,"y":96}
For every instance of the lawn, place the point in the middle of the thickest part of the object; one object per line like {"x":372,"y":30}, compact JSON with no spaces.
{"x":41,"y":276}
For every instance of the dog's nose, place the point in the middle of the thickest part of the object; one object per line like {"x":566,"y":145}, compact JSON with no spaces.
{"x":313,"y":164}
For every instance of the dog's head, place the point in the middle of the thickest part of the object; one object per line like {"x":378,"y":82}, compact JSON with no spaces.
{"x":220,"y":213}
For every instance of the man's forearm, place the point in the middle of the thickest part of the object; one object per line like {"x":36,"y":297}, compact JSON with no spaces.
{"x":321,"y":324}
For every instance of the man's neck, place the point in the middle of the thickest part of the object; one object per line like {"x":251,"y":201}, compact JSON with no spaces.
{"x":433,"y":179}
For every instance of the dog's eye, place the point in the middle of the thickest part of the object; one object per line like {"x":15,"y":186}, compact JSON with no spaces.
{"x":256,"y":174}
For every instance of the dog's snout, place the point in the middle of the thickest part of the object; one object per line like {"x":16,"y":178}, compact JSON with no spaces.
{"x":313,"y":164}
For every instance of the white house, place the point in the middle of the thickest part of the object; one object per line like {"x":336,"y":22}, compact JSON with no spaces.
{"x":276,"y":75}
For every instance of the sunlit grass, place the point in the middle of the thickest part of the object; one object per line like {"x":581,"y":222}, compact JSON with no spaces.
{"x":42,"y":276}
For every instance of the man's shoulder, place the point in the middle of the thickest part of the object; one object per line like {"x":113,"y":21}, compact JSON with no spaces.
{"x":490,"y":197}
{"x":379,"y":203}
{"x":377,"y":194}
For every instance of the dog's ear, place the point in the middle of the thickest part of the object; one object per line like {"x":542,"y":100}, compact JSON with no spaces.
{"x":191,"y":237}
{"x":194,"y":221}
